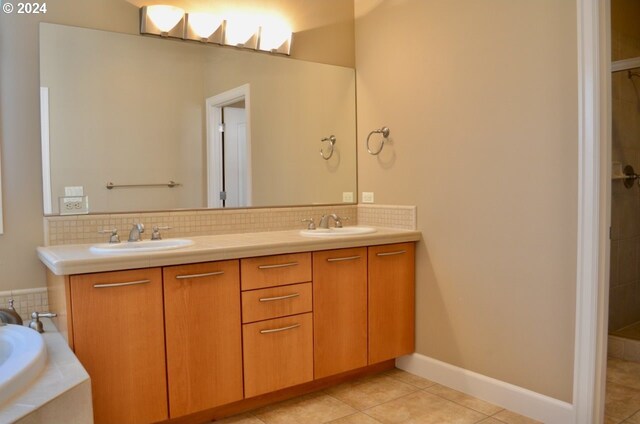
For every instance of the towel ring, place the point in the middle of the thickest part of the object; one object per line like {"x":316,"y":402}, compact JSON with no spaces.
{"x":332,"y":142}
{"x":385,"y":134}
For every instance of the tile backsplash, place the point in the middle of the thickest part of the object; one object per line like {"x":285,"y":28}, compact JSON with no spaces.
{"x":79,"y":229}
{"x":26,"y":301}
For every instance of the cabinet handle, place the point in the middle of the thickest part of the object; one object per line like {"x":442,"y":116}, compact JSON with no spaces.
{"x":206,"y":274}
{"x":276,"y":330}
{"x":398,"y":252}
{"x":271,"y":299}
{"x":278,"y":265}
{"x":346,"y":258}
{"x":128,"y":283}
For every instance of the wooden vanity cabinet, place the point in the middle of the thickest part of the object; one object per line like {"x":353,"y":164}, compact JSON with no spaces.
{"x":204,"y":346}
{"x":391,"y":301}
{"x":339,"y":310}
{"x":119,"y":339}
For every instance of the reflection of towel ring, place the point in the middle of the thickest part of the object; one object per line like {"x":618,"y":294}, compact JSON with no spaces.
{"x":332,"y":141}
{"x":385,"y":134}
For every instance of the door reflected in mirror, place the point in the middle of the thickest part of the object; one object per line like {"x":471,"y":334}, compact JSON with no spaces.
{"x":135,"y":110}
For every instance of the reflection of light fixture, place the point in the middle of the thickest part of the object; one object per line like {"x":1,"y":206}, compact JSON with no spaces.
{"x":273,"y":35}
{"x":204,"y":27}
{"x":167,"y":21}
{"x":241,"y":32}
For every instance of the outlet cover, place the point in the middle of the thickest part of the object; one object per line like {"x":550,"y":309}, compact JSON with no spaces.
{"x":347,"y":197}
{"x":74,"y":191}
{"x":367,"y":197}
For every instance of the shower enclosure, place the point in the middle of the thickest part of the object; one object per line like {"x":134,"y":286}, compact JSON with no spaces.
{"x":624,"y":293}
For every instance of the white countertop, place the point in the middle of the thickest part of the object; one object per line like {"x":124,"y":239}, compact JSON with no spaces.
{"x":78,"y":259}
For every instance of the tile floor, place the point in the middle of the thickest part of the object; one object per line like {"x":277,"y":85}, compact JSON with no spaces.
{"x":389,"y":397}
{"x":630,"y":332}
{"x":622,"y":398}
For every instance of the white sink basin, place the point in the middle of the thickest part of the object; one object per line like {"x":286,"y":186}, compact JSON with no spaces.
{"x":337,"y":232}
{"x":141,"y":246}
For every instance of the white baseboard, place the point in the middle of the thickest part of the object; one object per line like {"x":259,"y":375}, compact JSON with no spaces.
{"x":514,"y":398}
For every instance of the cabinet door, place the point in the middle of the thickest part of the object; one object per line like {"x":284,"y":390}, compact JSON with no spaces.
{"x":204,"y":346}
{"x":277,"y":353}
{"x":391,"y":301}
{"x":339,"y":310}
{"x":119,"y":338}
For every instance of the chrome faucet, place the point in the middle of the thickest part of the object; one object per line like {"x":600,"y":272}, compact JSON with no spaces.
{"x":134,"y":234}
{"x":324,"y":221}
{"x":10,"y":315}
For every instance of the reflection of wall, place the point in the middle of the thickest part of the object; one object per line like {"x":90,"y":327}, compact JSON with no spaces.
{"x":624,"y":279}
{"x":481,"y":99}
{"x":284,"y":106}
{"x":20,"y":106}
{"x":126,"y":110}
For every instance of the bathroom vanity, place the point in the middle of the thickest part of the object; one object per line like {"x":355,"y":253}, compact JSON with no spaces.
{"x":232,"y":322}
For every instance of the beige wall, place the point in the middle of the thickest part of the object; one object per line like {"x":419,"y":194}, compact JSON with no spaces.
{"x":19,"y":105}
{"x":481,"y":100}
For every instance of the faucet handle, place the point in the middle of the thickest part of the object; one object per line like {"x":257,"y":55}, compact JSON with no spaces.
{"x":312,"y":224}
{"x":339,"y":221}
{"x":114,"y":237}
{"x":36,"y":324}
{"x":155,"y":235}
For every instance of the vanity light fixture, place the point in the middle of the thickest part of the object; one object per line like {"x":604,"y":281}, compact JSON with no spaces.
{"x":204,"y":27}
{"x":166,"y":21}
{"x":273,"y":35}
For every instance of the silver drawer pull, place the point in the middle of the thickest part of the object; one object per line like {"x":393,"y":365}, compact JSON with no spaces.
{"x":128,"y":283}
{"x":278,"y":265}
{"x":206,"y":274}
{"x":271,"y":299}
{"x":276,"y":330}
{"x":399,"y":252}
{"x":346,"y":258}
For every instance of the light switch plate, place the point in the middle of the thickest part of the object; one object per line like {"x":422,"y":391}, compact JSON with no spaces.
{"x":367,"y":197}
{"x":347,"y":197}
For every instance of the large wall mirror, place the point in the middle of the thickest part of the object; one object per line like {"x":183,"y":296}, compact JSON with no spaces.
{"x":139,"y":124}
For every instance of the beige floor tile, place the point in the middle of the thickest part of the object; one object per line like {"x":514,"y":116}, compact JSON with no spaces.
{"x":405,"y":377}
{"x":626,"y":373}
{"x":424,"y":408}
{"x":611,"y":420}
{"x":368,"y":392}
{"x":464,"y":399}
{"x":490,"y":421}
{"x":246,"y":418}
{"x":621,"y":402}
{"x":308,"y":409}
{"x":634,"y":419}
{"x":358,"y":418}
{"x":510,"y":417}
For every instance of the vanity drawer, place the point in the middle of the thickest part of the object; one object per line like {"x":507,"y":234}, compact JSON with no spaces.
{"x":278,"y":353}
{"x":278,"y":270}
{"x":258,"y":305}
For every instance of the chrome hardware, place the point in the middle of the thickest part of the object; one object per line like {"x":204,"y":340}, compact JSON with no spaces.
{"x":271,"y":299}
{"x":170,"y":184}
{"x":398,"y":252}
{"x":346,"y":258}
{"x":128,"y":283}
{"x":630,"y":176}
{"x":206,"y":274}
{"x":113,"y":237}
{"x":276,"y":330}
{"x":385,"y":136}
{"x":278,"y":265}
{"x":36,"y":324}
{"x":136,"y":230}
{"x":312,"y":224}
{"x":324,"y":221}
{"x":10,"y":315}
{"x":155,"y":234}
{"x":332,"y":142}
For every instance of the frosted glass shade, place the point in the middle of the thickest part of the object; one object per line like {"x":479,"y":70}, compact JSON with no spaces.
{"x":275,"y":38}
{"x":165,"y":18}
{"x":203,"y":25}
